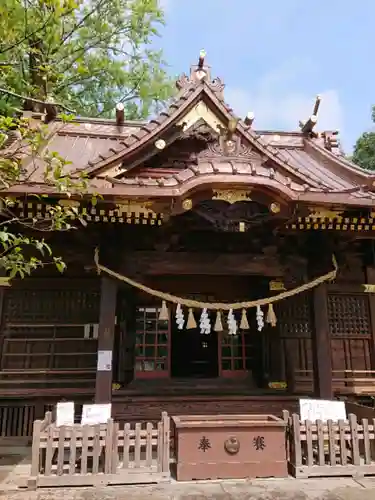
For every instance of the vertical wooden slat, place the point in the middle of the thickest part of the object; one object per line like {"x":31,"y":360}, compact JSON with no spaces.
{"x":320,"y":436}
{"x":25,"y":422}
{"x":297,"y":441}
{"x":18,"y":419}
{"x":108,"y":447}
{"x":96,"y":449}
{"x":84,"y":449}
{"x":159,"y":445}
{"x":166,"y":441}
{"x":137,"y":445}
{"x":149,"y":429}
{"x":342,"y":438}
{"x":115,"y":453}
{"x":125,"y":462}
{"x":4,"y":421}
{"x":354,"y":439}
{"x":366,"y":441}
{"x":35,"y":453}
{"x":331,"y":442}
{"x":309,"y":443}
{"x":73,"y":450}
{"x":61,"y":451}
{"x":50,"y":449}
{"x":286,"y":418}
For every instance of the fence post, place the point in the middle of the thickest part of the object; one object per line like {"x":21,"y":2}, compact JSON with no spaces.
{"x":159,"y":452}
{"x":354,"y":439}
{"x":286,"y":417}
{"x":35,"y":450}
{"x":296,"y":440}
{"x":108,"y":447}
{"x":166,"y":442}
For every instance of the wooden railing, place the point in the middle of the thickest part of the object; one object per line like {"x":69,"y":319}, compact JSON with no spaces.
{"x":16,"y":421}
{"x":356,"y":382}
{"x":331,"y":449}
{"x":99,"y":454}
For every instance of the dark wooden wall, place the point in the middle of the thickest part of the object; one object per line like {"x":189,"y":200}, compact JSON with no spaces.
{"x":43,"y":336}
{"x":49,"y":327}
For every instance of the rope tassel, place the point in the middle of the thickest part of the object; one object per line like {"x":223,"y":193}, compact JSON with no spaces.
{"x":191,"y":323}
{"x":244,"y":325}
{"x":218,"y":324}
{"x":164,"y":315}
{"x":271,"y":316}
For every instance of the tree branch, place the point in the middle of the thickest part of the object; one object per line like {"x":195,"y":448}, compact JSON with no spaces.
{"x":38,"y":101}
{"x":27,"y":36}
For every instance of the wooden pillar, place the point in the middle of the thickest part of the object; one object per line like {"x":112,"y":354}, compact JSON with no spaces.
{"x":370,"y":278}
{"x":322,"y":345}
{"x":107,"y":318}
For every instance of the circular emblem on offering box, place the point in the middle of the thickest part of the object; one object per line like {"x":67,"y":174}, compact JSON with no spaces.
{"x":232,"y":445}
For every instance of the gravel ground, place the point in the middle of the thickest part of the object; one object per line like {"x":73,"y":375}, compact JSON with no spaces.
{"x":288,"y":489}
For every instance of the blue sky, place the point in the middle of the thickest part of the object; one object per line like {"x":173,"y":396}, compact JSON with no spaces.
{"x":275,"y":56}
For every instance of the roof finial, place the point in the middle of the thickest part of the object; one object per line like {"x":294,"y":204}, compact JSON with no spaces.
{"x":249,"y":119}
{"x":202,"y":55}
{"x":307,"y":127}
{"x":120,"y":113}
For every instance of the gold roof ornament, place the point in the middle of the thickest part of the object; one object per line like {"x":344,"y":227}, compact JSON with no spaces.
{"x":231,"y":195}
{"x":276,"y":286}
{"x":187,"y":204}
{"x":275,"y":207}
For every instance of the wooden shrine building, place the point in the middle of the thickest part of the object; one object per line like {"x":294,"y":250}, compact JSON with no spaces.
{"x":197,"y":204}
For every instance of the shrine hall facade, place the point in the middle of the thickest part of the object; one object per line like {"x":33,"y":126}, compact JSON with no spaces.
{"x":171,"y":299}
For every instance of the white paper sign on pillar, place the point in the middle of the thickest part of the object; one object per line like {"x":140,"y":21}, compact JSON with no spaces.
{"x":65,"y":413}
{"x":104,"y":361}
{"x":96,"y":414}
{"x":321,"y":409}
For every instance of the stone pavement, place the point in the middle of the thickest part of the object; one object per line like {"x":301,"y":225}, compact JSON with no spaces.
{"x":270,"y":489}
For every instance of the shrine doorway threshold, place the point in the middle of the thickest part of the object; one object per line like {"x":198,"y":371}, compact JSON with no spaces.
{"x":146,"y":399}
{"x":197,"y":386}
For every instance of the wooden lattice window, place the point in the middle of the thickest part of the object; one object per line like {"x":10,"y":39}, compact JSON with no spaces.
{"x":152,"y":344}
{"x":351,"y":336}
{"x":295,"y":324}
{"x":348,"y":315}
{"x":233,"y":354}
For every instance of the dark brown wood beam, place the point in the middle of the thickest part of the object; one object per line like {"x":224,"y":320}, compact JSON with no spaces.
{"x":182,"y":263}
{"x":107,"y":318}
{"x":322,"y":345}
{"x":370,"y":274}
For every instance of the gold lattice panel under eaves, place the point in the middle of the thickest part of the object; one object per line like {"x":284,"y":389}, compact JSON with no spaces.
{"x":123,"y":214}
{"x":333,"y":224}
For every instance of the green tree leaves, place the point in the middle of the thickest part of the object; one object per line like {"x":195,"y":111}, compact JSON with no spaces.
{"x":21,"y":250}
{"x":88,"y":54}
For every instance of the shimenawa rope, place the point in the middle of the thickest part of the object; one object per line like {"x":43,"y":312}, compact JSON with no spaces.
{"x":196,"y":304}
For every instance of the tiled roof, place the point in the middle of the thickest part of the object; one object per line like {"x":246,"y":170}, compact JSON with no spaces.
{"x":295,"y":163}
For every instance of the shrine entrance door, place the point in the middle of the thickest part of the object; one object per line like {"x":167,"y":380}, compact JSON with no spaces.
{"x":193,"y":354}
